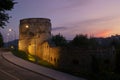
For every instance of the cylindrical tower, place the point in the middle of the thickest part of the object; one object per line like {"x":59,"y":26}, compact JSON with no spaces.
{"x":32,"y":32}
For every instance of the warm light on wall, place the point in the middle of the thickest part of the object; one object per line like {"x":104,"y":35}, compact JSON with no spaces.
{"x":31,"y":49}
{"x":33,"y":32}
{"x":31,"y":58}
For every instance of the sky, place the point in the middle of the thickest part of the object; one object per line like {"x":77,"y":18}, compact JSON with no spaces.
{"x":99,"y":18}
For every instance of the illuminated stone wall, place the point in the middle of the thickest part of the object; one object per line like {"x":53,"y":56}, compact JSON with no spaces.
{"x":33,"y":31}
{"x":51,"y":53}
{"x":79,"y":60}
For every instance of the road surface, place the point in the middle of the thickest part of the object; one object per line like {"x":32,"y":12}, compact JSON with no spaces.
{"x":9,"y":71}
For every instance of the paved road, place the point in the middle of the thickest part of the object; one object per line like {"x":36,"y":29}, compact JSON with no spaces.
{"x":6,"y":76}
{"x":9,"y":71}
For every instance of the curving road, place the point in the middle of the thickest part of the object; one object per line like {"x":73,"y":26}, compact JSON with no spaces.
{"x":9,"y":71}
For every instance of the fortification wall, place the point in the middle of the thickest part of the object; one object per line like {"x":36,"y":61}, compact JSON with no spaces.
{"x":33,"y":31}
{"x":79,"y":60}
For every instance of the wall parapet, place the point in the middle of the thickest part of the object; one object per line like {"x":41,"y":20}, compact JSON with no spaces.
{"x":34,"y":20}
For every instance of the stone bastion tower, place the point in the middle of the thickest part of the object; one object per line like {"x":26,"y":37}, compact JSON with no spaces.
{"x":32,"y":33}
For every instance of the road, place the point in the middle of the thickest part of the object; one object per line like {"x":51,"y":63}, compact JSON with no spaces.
{"x":6,"y":76}
{"x":9,"y":71}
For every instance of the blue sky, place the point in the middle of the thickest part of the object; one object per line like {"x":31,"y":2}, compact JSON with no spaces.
{"x":99,"y":18}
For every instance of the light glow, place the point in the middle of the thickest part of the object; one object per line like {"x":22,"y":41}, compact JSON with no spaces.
{"x":27,"y":26}
{"x":31,"y":58}
{"x":10,"y":30}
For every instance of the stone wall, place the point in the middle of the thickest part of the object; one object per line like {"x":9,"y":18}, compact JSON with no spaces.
{"x":79,"y":60}
{"x":33,"y":31}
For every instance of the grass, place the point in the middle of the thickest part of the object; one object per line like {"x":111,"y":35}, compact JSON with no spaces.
{"x":39,"y":61}
{"x":20,"y":54}
{"x":32,"y":58}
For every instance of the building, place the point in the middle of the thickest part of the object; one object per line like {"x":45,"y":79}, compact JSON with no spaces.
{"x":35,"y":35}
{"x":33,"y":32}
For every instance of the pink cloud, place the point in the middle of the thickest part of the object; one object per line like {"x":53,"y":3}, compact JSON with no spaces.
{"x":104,"y":33}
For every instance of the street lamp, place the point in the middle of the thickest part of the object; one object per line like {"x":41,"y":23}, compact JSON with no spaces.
{"x":7,"y":45}
{"x":11,"y":30}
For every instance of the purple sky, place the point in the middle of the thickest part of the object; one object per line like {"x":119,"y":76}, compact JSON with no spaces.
{"x":99,"y":18}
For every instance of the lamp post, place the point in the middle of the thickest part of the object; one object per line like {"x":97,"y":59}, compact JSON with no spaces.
{"x":7,"y":45}
{"x":11,"y":30}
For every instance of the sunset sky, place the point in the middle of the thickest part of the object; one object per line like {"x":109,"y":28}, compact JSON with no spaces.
{"x":100,"y":18}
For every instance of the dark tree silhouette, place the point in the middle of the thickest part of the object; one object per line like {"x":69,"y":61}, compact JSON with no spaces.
{"x":80,"y":41}
{"x":93,"y":42}
{"x":5,"y":5}
{"x":59,"y":40}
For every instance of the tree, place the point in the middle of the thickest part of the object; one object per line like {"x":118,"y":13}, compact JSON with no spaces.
{"x":1,"y":40}
{"x":93,"y":42}
{"x":80,"y":41}
{"x":59,"y":40}
{"x":5,"y":5}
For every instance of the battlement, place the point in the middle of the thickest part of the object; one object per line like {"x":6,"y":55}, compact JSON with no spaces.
{"x":35,"y":20}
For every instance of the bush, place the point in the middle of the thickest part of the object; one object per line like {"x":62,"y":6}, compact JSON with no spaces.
{"x":31,"y":58}
{"x":20,"y":54}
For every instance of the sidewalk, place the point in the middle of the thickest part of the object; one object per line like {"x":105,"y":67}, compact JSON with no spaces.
{"x":39,"y":69}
